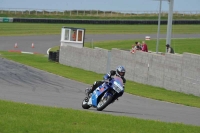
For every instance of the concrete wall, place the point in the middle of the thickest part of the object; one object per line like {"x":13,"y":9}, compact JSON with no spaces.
{"x":88,"y":59}
{"x":170,"y":71}
{"x":190,"y":82}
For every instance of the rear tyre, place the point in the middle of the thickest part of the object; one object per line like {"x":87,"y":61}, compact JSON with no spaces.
{"x":84,"y":103}
{"x":104,"y":102}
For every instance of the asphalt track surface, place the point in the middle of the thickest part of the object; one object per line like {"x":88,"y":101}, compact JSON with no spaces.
{"x":43,"y":43}
{"x":25,"y":84}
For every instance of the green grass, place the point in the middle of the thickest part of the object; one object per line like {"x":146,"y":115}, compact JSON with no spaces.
{"x":180,"y":45}
{"x":10,"y":29}
{"x":26,"y":118}
{"x":41,"y":62}
{"x":55,"y":48}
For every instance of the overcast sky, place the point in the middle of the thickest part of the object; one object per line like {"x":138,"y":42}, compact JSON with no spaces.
{"x":114,"y":5}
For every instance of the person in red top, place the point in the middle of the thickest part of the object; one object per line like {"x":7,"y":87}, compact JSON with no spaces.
{"x":144,"y":46}
{"x":74,"y":35}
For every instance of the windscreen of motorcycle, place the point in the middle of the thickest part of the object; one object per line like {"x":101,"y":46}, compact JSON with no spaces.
{"x":118,"y":84}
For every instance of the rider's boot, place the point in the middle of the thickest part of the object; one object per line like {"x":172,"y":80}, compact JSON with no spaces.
{"x":87,"y":91}
{"x":90,"y":90}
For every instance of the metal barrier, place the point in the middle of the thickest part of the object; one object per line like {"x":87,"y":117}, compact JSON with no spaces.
{"x":86,"y":21}
{"x":6,"y":20}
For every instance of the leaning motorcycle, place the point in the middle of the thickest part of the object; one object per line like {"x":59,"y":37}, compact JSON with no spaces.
{"x":105,"y":94}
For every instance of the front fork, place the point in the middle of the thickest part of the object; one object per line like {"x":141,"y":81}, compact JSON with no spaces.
{"x":112,"y":92}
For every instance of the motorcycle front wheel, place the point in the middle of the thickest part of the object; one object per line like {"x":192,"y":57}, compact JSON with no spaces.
{"x":104,"y":102}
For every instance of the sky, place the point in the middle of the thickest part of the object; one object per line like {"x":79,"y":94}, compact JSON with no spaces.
{"x":105,"y":5}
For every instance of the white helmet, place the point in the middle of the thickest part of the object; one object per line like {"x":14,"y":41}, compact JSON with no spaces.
{"x":120,"y":71}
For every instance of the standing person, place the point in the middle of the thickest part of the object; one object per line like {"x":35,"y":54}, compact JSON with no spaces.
{"x":144,"y":46}
{"x":74,"y":35}
{"x":169,"y":49}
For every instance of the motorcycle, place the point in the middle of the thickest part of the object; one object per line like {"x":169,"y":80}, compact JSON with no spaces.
{"x":104,"y":95}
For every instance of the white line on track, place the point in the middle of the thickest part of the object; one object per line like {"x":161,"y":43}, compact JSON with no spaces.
{"x":27,"y":52}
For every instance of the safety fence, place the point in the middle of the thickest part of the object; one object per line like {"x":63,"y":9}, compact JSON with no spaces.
{"x":86,"y":21}
{"x":5,"y":20}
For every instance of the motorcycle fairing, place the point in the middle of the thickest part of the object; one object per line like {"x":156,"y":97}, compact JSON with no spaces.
{"x":100,"y":90}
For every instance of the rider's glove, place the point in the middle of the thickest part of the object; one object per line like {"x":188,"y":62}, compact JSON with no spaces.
{"x":107,"y":80}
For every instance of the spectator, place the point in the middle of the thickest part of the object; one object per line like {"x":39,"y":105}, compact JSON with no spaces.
{"x":140,"y":46}
{"x":74,"y":35}
{"x":137,"y":46}
{"x":133,"y":49}
{"x":169,"y":49}
{"x":144,"y":46}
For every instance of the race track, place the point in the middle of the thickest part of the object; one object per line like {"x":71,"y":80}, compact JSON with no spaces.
{"x":25,"y":84}
{"x":43,"y":43}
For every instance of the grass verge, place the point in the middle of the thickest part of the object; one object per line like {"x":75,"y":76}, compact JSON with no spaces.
{"x":179,"y":45}
{"x":26,"y":118}
{"x":41,"y":62}
{"x":10,"y":29}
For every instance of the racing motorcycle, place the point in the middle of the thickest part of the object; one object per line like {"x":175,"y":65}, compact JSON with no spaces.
{"x":104,"y":95}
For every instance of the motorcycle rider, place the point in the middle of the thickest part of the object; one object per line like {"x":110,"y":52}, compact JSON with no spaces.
{"x":120,"y":72}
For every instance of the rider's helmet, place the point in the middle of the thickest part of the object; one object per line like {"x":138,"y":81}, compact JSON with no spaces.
{"x":120,"y":71}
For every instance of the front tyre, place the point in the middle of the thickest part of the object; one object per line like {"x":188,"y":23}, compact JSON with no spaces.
{"x":104,"y":102}
{"x":85,"y":103}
